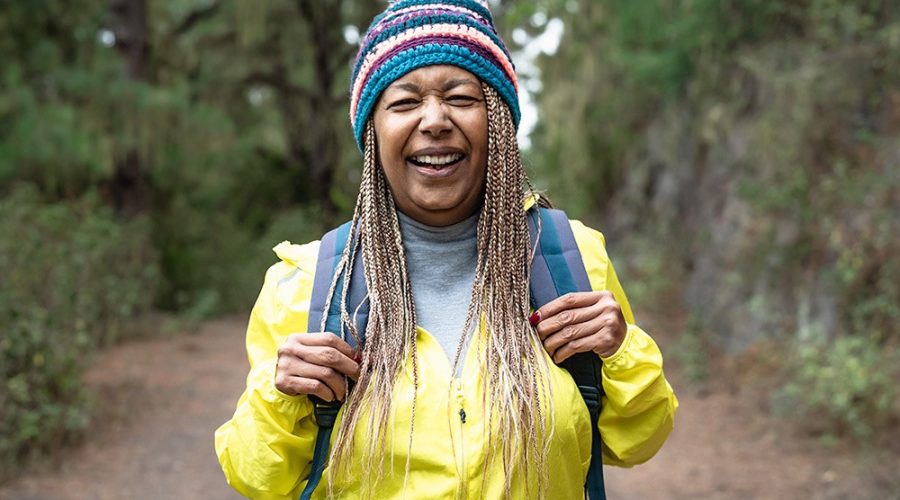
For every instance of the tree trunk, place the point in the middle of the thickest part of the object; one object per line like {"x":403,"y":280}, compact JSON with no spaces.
{"x":130,"y":187}
{"x":320,"y":137}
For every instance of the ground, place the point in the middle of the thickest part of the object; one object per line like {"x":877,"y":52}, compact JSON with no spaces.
{"x":160,"y":400}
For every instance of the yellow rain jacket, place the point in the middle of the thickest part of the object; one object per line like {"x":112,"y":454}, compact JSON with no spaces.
{"x":266,"y":448}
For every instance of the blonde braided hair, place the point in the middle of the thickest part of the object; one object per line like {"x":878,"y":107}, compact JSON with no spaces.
{"x":515,"y":385}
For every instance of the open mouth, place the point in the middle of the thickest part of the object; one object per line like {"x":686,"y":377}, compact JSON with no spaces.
{"x":436,"y":162}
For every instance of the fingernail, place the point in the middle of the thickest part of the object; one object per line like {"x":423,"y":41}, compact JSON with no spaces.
{"x":358,"y":358}
{"x":535,"y":318}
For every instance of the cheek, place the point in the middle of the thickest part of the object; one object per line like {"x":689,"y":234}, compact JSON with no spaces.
{"x":478,"y":132}
{"x":391,"y":135}
{"x":478,"y":138}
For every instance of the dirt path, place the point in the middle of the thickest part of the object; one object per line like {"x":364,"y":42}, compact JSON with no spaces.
{"x":164,"y":398}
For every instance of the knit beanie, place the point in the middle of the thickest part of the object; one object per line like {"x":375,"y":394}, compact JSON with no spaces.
{"x":411,"y":34}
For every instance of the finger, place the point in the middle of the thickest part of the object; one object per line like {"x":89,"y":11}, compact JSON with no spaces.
{"x":334,"y":380}
{"x":568,"y":301}
{"x":549,"y":325}
{"x":329,"y":357}
{"x":571,"y":333}
{"x":295,"y":386}
{"x":323,"y":339}
{"x":289,"y":367}
{"x":320,"y":355}
{"x":603,"y":341}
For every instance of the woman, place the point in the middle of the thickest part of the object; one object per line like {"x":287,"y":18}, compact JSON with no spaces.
{"x":457,"y":389}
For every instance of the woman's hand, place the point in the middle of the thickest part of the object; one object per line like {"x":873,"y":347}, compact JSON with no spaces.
{"x":580,"y":322}
{"x":315,"y":364}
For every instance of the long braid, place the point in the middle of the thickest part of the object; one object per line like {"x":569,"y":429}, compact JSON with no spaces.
{"x":515,"y":384}
{"x":515,"y":381}
{"x":390,"y":337}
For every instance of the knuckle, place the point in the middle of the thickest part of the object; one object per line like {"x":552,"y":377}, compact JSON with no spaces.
{"x":286,"y":348}
{"x":330,"y":356}
{"x":570,"y":333}
{"x":570,"y":299}
{"x":565,"y":317}
{"x":323,"y":372}
{"x":311,"y":386}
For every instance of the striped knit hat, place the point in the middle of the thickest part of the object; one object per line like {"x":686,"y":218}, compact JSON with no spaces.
{"x":411,"y":34}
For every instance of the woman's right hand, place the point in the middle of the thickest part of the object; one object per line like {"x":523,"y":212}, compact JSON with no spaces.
{"x":315,"y":364}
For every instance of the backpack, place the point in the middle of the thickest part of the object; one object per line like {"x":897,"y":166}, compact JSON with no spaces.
{"x":557,"y":269}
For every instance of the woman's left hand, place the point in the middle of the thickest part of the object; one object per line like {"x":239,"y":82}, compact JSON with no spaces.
{"x":580,"y":322}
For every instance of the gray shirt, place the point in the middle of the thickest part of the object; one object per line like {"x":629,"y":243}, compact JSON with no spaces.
{"x":441,"y":264}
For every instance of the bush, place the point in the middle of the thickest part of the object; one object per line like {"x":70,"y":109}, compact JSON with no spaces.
{"x":72,"y":277}
{"x":844,"y":385}
{"x":692,"y":351}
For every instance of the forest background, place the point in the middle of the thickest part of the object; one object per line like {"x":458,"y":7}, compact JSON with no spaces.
{"x":742,"y":157}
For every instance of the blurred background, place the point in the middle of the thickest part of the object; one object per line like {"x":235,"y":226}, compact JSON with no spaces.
{"x":742,"y":158}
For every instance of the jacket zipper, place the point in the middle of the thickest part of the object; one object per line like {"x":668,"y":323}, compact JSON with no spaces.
{"x":461,"y":414}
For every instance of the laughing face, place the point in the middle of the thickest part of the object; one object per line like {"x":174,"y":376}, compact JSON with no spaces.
{"x":431,"y":128}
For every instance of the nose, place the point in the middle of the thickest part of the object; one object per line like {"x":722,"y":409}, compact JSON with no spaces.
{"x":435,"y":120}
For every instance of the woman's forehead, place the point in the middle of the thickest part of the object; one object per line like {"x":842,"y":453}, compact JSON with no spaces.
{"x":439,"y":77}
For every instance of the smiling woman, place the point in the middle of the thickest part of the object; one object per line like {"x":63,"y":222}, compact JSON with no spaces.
{"x":462,"y":339}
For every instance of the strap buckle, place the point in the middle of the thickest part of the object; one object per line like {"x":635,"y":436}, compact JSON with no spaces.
{"x":325,"y":411}
{"x":592,"y":398}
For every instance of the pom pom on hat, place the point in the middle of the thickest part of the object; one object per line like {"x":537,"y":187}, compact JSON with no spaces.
{"x":411,"y":34}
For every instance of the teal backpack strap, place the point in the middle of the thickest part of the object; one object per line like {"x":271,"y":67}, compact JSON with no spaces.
{"x":557,"y":269}
{"x":330,"y":250}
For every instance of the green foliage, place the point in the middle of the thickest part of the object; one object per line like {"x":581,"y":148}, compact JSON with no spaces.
{"x":824,"y":184}
{"x":122,"y":190}
{"x":795,"y":103}
{"x":72,"y":279}
{"x":848,"y":384}
{"x":593,"y":107}
{"x":620,"y":62}
{"x":239,"y":113}
{"x":649,"y":271}
{"x":693,"y":353}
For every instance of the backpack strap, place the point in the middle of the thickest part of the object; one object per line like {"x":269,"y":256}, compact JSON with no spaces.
{"x":557,"y":269}
{"x":331,"y":249}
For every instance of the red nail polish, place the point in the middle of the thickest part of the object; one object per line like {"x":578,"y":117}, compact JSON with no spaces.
{"x":535,"y":318}
{"x":358,"y":358}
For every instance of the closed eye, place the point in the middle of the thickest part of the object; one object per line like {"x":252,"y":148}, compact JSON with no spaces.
{"x":462,"y":100}
{"x":403,"y":104}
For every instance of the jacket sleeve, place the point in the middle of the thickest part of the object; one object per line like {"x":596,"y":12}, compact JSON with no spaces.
{"x":639,"y":407}
{"x":266,"y":448}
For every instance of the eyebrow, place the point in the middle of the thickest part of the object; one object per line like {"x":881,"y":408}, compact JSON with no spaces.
{"x":412,"y":87}
{"x":456,"y":82}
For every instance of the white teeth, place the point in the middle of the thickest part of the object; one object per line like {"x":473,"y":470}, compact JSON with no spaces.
{"x":437,"y":160}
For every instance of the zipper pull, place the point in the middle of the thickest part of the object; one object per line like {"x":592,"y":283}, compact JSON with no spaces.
{"x":460,"y":399}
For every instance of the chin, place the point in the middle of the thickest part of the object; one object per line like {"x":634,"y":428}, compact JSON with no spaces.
{"x":438,"y":201}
